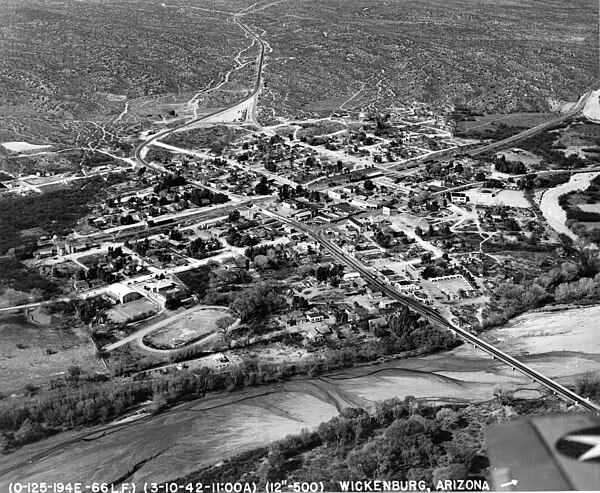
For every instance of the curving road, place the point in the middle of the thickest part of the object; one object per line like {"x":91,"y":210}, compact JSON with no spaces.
{"x":435,"y":318}
{"x":250,"y":100}
{"x":139,"y":335}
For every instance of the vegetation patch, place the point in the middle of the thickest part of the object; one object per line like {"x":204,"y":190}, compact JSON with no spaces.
{"x":16,"y":276}
{"x":398,"y":439}
{"x":55,"y":212}
{"x":216,"y":138}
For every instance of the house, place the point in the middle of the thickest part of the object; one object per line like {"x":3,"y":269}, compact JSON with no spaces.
{"x":315,"y":316}
{"x":388,"y":210}
{"x":295,"y":318}
{"x":122,"y":293}
{"x":79,"y":285}
{"x":313,"y":334}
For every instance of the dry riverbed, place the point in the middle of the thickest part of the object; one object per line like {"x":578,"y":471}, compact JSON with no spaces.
{"x":559,"y":343}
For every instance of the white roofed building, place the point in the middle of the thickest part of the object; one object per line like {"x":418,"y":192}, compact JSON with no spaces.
{"x":122,"y":293}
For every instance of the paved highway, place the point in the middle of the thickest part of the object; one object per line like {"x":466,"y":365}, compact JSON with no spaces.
{"x":437,"y":319}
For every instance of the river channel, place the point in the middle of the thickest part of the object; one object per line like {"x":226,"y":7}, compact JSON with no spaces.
{"x":562,"y":344}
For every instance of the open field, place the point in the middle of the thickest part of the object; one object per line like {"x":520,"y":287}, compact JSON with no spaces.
{"x":196,"y":324}
{"x":453,"y":285}
{"x":513,"y":198}
{"x":35,"y":353}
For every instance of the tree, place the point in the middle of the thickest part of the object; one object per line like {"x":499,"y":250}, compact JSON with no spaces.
{"x":30,"y":431}
{"x":262,"y":187}
{"x":447,"y":417}
{"x":73,"y":373}
{"x":159,"y":402}
{"x":172,"y":303}
{"x":234,"y":216}
{"x":261,"y":262}
{"x":257,"y":302}
{"x":224,"y":323}
{"x":368,"y":185}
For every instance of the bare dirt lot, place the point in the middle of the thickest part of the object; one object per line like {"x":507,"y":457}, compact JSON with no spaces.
{"x":24,"y":357}
{"x":197,"y":324}
{"x":513,"y":198}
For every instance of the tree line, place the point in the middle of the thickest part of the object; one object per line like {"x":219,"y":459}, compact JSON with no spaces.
{"x":399,"y":439}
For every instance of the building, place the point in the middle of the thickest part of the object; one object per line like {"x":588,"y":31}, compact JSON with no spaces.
{"x":313,"y":334}
{"x":335,"y":194}
{"x":388,"y":210}
{"x":388,"y":274}
{"x":168,"y":288}
{"x":45,"y":253}
{"x":356,"y":224}
{"x":387,"y":303}
{"x":459,"y":198}
{"x":373,"y":292}
{"x":302,"y":215}
{"x":122,"y":293}
{"x":364,"y":203}
{"x":406,"y":286}
{"x":315,"y":316}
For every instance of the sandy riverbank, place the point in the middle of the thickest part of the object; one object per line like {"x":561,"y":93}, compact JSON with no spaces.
{"x":554,"y":213}
{"x":561,"y":344}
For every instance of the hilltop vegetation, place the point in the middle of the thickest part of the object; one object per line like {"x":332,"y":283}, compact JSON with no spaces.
{"x":490,"y":56}
{"x":66,"y":61}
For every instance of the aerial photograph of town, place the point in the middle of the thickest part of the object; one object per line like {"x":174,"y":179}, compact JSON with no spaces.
{"x":299,"y":246}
